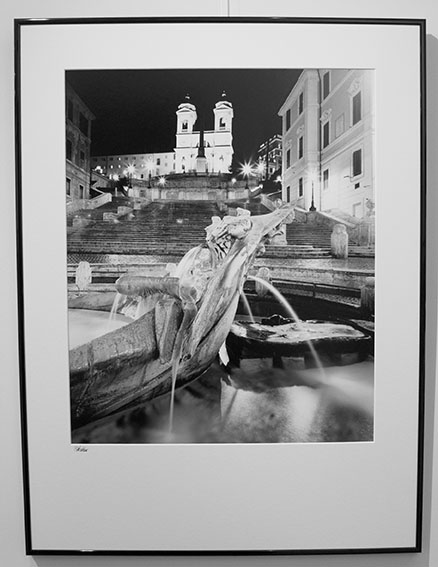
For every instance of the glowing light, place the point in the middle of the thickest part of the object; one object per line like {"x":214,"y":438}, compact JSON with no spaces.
{"x":246,"y":169}
{"x":115,"y":177}
{"x":260,"y":168}
{"x":130,"y":169}
{"x":233,"y":181}
{"x":278,"y":180}
{"x":162,"y":181}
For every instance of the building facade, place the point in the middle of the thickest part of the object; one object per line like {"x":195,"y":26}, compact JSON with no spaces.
{"x":218,"y":143}
{"x":139,"y":166}
{"x":270,"y":156}
{"x":218,"y":148}
{"x":78,"y":118}
{"x":328,"y":133}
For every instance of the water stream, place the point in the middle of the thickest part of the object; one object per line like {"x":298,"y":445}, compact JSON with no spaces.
{"x":283,"y":301}
{"x":247,"y":306}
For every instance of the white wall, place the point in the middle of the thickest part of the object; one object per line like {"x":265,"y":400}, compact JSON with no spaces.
{"x":11,"y":516}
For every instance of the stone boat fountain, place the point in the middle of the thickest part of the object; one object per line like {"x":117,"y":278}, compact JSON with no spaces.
{"x":187,"y":316}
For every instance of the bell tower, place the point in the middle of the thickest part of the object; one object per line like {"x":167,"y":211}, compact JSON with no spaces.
{"x":186,"y":116}
{"x":184,"y":151}
{"x":223,"y":114}
{"x":223,"y":135}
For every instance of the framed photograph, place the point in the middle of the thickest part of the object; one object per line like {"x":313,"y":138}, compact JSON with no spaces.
{"x":221,"y":255}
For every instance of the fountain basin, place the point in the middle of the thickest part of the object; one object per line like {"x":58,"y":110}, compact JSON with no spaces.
{"x":336,"y":343}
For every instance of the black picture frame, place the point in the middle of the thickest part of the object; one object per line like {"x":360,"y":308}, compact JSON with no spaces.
{"x":22,"y":234}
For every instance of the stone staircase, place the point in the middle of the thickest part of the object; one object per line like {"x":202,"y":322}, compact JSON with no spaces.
{"x":171,"y":228}
{"x":309,"y":234}
{"x":160,"y":228}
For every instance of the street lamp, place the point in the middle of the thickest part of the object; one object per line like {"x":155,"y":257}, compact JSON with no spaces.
{"x":246,"y":172}
{"x":312,"y":205}
{"x":261,"y":169}
{"x":131,"y":170}
{"x":149,"y":167}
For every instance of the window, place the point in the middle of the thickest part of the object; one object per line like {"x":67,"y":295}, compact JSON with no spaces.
{"x":325,"y":179}
{"x":288,"y":193}
{"x":326,"y":84}
{"x":81,"y":191}
{"x":287,"y":119}
{"x":82,"y":157}
{"x":287,"y":159}
{"x":111,"y":159}
{"x":185,"y":125}
{"x":222,"y":124}
{"x":83,"y":124}
{"x":339,"y":126}
{"x":300,"y":147}
{"x":301,"y":103}
{"x":69,"y":149}
{"x":70,"y":111}
{"x":300,"y":187}
{"x":158,"y":161}
{"x":357,"y":108}
{"x":68,"y":185}
{"x":357,"y":163}
{"x":326,"y":134}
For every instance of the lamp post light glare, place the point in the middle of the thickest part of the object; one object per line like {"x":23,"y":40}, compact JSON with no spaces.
{"x":246,"y":171}
{"x":261,"y":169}
{"x":162,"y":181}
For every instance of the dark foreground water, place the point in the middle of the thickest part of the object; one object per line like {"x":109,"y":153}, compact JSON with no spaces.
{"x":255,"y":404}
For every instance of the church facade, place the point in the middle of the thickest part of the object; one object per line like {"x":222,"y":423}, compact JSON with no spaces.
{"x":216,"y":146}
{"x":218,"y":143}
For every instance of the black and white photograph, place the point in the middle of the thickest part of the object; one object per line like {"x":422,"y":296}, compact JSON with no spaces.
{"x":221,"y":285}
{"x":220,"y":255}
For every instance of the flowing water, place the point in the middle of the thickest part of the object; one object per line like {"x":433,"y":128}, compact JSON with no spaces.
{"x":247,"y":306}
{"x":115,"y":306}
{"x":281,"y":299}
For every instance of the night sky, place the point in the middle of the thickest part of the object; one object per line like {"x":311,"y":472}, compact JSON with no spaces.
{"x":135,"y":110}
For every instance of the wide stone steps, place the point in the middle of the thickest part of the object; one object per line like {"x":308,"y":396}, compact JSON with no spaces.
{"x":172,"y":228}
{"x":308,"y":233}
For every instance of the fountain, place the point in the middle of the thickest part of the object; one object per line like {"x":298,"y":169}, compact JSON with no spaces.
{"x":176,"y":340}
{"x":182,"y":319}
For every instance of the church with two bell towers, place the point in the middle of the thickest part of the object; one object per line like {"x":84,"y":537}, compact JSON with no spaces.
{"x":200,"y":151}
{"x":216,"y":145}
